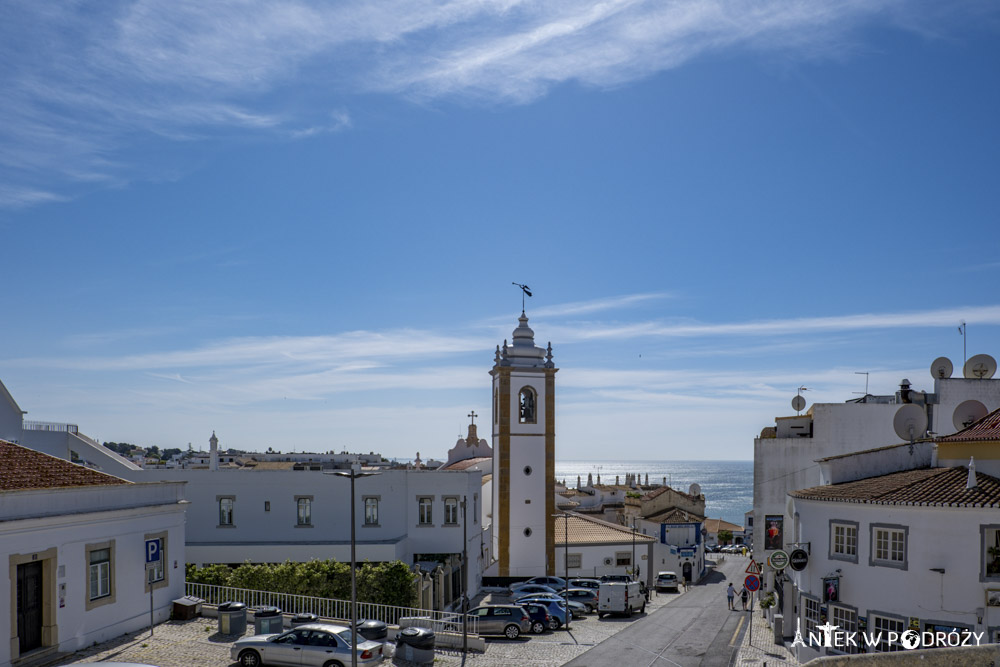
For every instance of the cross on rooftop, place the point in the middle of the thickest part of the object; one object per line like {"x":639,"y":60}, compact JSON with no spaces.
{"x":473,"y":415}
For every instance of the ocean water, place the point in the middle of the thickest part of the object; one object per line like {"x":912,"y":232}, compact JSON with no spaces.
{"x":727,"y":485}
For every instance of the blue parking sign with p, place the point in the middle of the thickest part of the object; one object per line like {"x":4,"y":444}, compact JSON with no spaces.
{"x":152,"y":551}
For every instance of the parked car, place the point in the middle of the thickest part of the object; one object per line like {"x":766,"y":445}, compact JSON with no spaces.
{"x":667,"y":581}
{"x":620,"y":598}
{"x":316,"y":644}
{"x":531,"y":589}
{"x":539,"y":615}
{"x":620,"y":578}
{"x":578,"y":609}
{"x":551,"y":582}
{"x":585,"y":583}
{"x":503,"y":620}
{"x":556,"y":610}
{"x":586,"y":596}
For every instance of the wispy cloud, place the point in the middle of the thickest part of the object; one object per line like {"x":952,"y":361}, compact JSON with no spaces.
{"x":134,"y":70}
{"x":596,"y":305}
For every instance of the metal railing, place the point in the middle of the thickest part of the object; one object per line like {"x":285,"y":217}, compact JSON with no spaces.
{"x":49,"y":426}
{"x":439,"y":621}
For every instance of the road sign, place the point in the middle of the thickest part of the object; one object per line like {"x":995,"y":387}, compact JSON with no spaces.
{"x":798,"y":559}
{"x":778,"y":560}
{"x":754,"y":567}
{"x":751,"y":583}
{"x":152,"y":551}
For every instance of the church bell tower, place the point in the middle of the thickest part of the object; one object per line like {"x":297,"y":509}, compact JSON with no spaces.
{"x":524,"y":455}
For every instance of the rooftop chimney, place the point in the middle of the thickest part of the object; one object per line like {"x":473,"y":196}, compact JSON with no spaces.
{"x":970,"y":483}
{"x":213,"y":452}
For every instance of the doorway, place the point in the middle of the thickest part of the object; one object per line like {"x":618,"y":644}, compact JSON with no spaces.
{"x":29,"y":606}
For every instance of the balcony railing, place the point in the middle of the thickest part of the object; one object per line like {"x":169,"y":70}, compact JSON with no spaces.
{"x":439,"y":621}
{"x":49,"y":426}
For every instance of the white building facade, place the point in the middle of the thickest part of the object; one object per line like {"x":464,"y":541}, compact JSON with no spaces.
{"x":75,"y":542}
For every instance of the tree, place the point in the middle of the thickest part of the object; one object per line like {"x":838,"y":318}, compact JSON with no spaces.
{"x":725,"y":536}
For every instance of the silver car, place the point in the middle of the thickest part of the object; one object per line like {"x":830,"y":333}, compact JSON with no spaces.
{"x":316,"y":644}
{"x":505,"y":620}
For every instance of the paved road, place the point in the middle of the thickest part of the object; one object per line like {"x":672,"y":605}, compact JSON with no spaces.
{"x":695,"y":629}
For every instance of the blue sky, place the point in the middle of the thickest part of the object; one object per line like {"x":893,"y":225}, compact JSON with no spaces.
{"x":297,"y":223}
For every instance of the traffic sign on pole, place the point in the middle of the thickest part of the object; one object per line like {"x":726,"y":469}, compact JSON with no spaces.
{"x":754,"y":567}
{"x":751,"y":583}
{"x":152,"y":551}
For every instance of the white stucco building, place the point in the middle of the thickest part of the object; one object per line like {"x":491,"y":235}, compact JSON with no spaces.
{"x":75,"y":540}
{"x":786,"y":455}
{"x":898,"y":538}
{"x":593,"y":547}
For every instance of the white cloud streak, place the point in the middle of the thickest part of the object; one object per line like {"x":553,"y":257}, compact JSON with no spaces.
{"x":131,"y":70}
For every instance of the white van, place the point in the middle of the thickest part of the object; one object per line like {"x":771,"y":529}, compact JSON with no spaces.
{"x":620,"y":598}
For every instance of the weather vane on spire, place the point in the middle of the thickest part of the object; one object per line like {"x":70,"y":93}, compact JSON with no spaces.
{"x":524,"y":290}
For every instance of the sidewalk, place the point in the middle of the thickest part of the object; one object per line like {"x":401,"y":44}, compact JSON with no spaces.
{"x":758,"y":647}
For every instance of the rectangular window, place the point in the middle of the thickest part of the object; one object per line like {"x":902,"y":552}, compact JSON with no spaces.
{"x":884,"y":625}
{"x":226,"y":510}
{"x":424,"y":516}
{"x":991,"y":553}
{"x":844,"y":541}
{"x":303,"y":511}
{"x":574,"y":560}
{"x":371,"y":511}
{"x":810,"y":613}
{"x":100,"y":573}
{"x":888,"y":547}
{"x":451,"y":511}
{"x":847,"y":620}
{"x":623,"y":558}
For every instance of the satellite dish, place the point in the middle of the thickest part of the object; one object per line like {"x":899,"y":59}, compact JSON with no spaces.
{"x":968,"y":412}
{"x":942,"y":368}
{"x":910,"y":422}
{"x":694,"y":490}
{"x":980,"y":367}
{"x":798,"y":403}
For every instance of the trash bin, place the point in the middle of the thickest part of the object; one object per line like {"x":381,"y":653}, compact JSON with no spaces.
{"x":416,"y":645}
{"x":267,"y":621}
{"x":373,"y":630}
{"x":303,"y":619}
{"x":186,"y":608}
{"x":232,"y":618}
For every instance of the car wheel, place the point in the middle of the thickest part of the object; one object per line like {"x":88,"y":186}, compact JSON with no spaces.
{"x":333,"y":663}
{"x":600,"y":614}
{"x":512,"y":632}
{"x":538,"y":627}
{"x":249,"y":658}
{"x":590,"y":609}
{"x":554,"y":623}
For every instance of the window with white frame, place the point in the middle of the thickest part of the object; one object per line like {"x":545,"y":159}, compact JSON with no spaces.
{"x":888,"y":546}
{"x":844,"y":540}
{"x":303,"y":510}
{"x":574,"y":560}
{"x":371,"y":511}
{"x":847,"y":622}
{"x":881,"y":626}
{"x":451,"y":511}
{"x":424,"y":507}
{"x":226,"y":504}
{"x":623,"y":558}
{"x":810,"y":614}
{"x":100,"y":573}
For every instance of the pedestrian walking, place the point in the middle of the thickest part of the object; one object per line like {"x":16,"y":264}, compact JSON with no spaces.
{"x":744,"y":597}
{"x":731,"y":593}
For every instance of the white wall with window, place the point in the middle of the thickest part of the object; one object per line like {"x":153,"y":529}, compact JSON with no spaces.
{"x":895,"y":563}
{"x":87,"y":548}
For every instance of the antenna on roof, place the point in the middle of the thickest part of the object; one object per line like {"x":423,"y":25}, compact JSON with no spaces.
{"x":961,"y":330}
{"x":866,"y":374}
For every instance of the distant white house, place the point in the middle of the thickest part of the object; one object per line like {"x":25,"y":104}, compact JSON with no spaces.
{"x":75,"y":541}
{"x":592,"y":547}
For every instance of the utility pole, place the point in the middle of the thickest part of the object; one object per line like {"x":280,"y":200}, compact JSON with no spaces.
{"x":465,"y":581}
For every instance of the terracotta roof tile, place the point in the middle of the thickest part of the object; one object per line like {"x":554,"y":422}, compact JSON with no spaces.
{"x":942,"y":487}
{"x":674,"y":515}
{"x":663,"y":489}
{"x":715,"y":525}
{"x":986,"y":429}
{"x":22,"y":468}
{"x":587,"y":530}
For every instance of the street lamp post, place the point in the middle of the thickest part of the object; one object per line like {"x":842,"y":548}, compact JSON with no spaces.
{"x":353,"y":473}
{"x":465,"y":582}
{"x":633,"y":550}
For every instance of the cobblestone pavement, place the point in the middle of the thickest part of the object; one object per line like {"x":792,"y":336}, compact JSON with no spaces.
{"x":760,"y":649}
{"x":196,"y":642}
